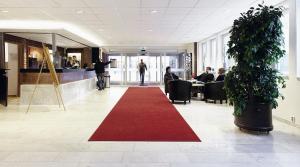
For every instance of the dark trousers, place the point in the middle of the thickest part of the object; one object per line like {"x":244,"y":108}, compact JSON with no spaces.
{"x":101,"y":81}
{"x":142,"y":78}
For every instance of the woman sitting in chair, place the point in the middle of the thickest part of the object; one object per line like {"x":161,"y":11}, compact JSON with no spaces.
{"x":221,"y":73}
{"x":169,"y":76}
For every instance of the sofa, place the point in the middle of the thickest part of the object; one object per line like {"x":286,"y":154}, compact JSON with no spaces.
{"x":180,"y":90}
{"x":215,"y":91}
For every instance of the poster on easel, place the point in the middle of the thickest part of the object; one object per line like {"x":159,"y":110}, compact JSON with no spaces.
{"x":53,"y":75}
{"x":50,"y":66}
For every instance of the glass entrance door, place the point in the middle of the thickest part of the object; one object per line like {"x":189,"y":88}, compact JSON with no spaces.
{"x":154,"y":69}
{"x":132,"y":70}
{"x":124,"y":69}
{"x":152,"y":75}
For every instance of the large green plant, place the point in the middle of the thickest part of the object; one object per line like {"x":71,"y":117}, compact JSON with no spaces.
{"x":256,"y":45}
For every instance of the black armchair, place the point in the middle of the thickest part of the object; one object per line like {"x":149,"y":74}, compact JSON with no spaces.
{"x":215,"y":91}
{"x":180,"y":90}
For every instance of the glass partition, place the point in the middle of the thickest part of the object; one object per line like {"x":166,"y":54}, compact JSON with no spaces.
{"x":116,"y":68}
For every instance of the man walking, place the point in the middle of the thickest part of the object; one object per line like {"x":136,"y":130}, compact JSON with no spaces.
{"x":142,"y":69}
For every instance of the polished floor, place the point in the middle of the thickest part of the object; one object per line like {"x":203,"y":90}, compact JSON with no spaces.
{"x":48,"y":136}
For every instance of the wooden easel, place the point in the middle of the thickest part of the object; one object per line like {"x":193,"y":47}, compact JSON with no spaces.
{"x":46,"y":58}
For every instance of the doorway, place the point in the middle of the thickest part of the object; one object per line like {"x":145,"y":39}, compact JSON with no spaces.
{"x":12,"y":63}
{"x":152,"y":75}
{"x":124,"y":67}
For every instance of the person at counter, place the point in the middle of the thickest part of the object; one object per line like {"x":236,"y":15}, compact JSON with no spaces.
{"x":69,"y":62}
{"x":76,"y":63}
{"x":100,"y":70}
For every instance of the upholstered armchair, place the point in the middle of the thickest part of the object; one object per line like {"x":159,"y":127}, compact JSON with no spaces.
{"x":215,"y":91}
{"x":180,"y":90}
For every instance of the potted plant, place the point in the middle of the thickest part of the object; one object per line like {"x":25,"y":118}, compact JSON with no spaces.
{"x":252,"y":85}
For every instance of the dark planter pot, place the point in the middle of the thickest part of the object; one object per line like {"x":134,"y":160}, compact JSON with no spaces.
{"x":256,"y":117}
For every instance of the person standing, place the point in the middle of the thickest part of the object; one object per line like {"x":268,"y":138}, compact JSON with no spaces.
{"x":76,"y":63}
{"x":100,"y":71}
{"x":69,"y":62}
{"x":142,"y":69}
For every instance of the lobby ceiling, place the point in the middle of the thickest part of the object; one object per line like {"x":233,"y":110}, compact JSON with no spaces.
{"x":134,"y":22}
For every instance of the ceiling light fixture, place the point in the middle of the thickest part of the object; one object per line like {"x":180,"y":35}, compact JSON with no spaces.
{"x":79,"y":11}
{"x":4,"y":11}
{"x":150,"y":30}
{"x":154,"y":11}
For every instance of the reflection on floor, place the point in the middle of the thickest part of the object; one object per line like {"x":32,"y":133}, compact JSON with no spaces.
{"x":48,"y":136}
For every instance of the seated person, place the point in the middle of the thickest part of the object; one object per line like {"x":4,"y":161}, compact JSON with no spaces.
{"x":169,"y":76}
{"x":205,"y":77}
{"x":221,"y":73}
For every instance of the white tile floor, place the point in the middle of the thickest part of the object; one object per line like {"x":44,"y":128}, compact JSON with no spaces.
{"x":47,"y":136}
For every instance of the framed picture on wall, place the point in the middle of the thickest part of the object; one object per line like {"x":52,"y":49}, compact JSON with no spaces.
{"x":113,"y":63}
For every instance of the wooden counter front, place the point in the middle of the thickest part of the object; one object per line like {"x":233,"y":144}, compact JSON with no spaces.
{"x":29,"y":76}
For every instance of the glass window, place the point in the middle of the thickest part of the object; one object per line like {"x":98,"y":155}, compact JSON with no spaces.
{"x":228,"y":63}
{"x":116,"y":68}
{"x":213,"y":54}
{"x":283,"y":65}
{"x":205,"y":59}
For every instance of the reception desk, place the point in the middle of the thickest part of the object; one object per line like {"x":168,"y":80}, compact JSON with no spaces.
{"x":74,"y":84}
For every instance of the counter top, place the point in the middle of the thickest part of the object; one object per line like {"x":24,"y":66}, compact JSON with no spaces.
{"x":58,"y":70}
{"x":29,"y":76}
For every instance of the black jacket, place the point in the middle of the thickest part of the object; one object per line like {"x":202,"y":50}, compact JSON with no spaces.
{"x":221,"y":78}
{"x":100,"y":67}
{"x":205,"y":77}
{"x":170,"y":77}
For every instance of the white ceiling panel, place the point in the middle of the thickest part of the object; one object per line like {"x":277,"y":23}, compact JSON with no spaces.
{"x":128,"y":3}
{"x":68,"y":3}
{"x":211,"y":3}
{"x":100,"y":3}
{"x":154,"y":3}
{"x":27,"y":3}
{"x":182,"y":3}
{"x":139,"y":22}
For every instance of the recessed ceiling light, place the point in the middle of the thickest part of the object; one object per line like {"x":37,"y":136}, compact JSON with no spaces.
{"x":154,"y":11}
{"x":150,"y":30}
{"x":4,"y":11}
{"x":79,"y":11}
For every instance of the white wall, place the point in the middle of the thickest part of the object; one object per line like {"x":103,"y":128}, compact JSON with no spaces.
{"x":11,"y":54}
{"x":290,"y":106}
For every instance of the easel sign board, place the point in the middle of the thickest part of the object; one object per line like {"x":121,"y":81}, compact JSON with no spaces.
{"x":50,"y":66}
{"x":46,"y":58}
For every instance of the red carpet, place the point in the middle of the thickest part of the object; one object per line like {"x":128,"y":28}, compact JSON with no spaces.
{"x":144,"y":114}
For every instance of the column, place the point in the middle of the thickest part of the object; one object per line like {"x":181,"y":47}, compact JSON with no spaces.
{"x":56,"y":59}
{"x":2,"y":53}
